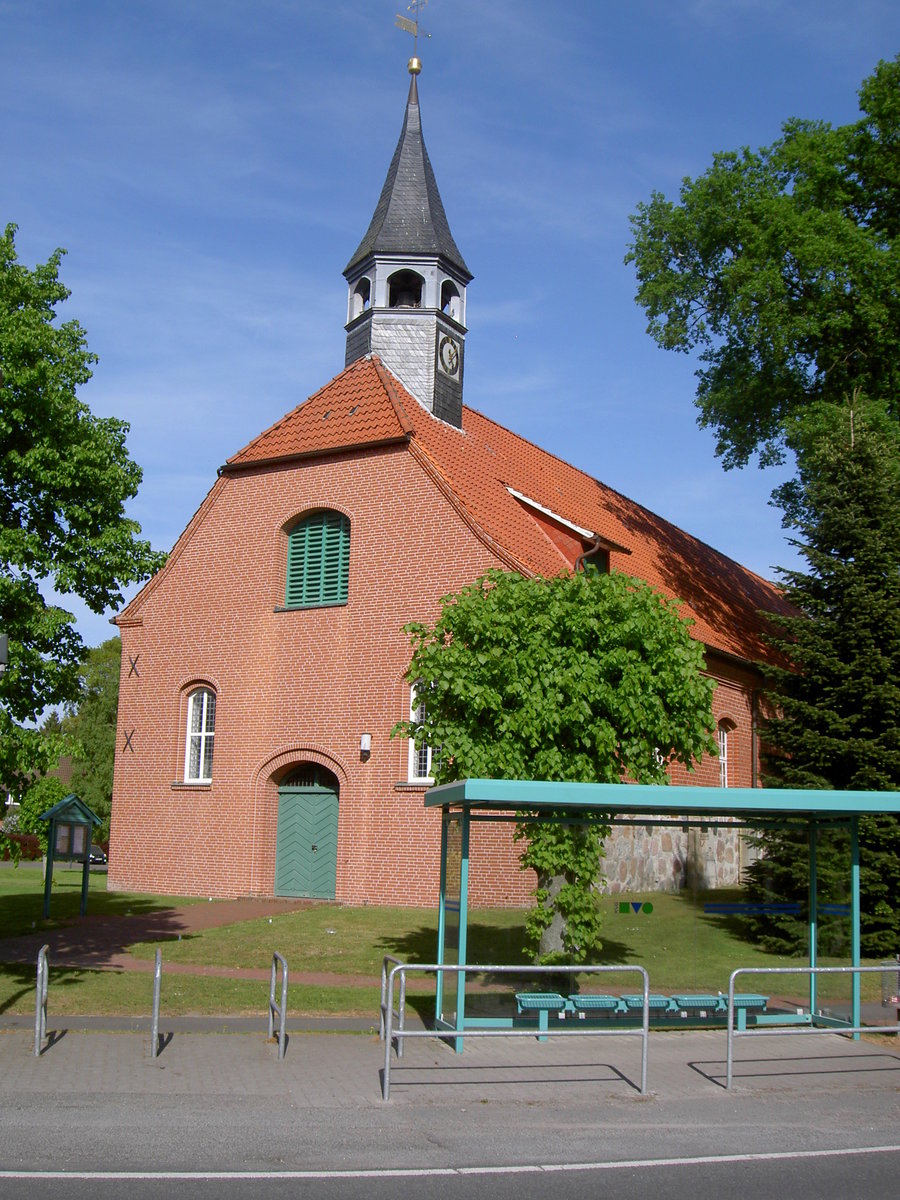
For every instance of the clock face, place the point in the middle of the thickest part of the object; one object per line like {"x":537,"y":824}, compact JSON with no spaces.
{"x":448,"y":355}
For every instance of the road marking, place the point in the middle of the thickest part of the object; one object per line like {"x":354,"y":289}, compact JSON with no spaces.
{"x":422,"y":1172}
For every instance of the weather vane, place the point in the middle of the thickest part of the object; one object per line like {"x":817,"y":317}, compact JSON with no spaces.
{"x":412,"y":26}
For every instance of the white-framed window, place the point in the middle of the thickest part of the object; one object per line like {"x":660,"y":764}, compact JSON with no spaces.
{"x":723,"y":733}
{"x":201,"y":728}
{"x":420,"y":757}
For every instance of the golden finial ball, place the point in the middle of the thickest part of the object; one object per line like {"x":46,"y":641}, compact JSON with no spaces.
{"x":414,"y":66}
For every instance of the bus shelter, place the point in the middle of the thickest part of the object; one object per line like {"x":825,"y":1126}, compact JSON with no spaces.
{"x":472,"y":801}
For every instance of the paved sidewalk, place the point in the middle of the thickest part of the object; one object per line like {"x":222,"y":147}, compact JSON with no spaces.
{"x":224,"y":1102}
{"x":339,"y":1064}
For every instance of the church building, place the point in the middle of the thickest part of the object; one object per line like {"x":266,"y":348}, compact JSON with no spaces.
{"x":263,"y":666}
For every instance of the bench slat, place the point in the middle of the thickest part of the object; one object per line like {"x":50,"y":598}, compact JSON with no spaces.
{"x":537,"y":1001}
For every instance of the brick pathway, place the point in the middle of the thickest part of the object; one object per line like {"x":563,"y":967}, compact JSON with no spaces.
{"x":102,"y":942}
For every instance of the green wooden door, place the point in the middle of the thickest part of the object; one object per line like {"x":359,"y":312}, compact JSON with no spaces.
{"x":306,"y":849}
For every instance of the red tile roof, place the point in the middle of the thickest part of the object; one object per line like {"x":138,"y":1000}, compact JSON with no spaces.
{"x":362,"y":406}
{"x":477,"y":465}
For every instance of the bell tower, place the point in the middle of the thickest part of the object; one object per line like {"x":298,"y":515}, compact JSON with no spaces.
{"x":407,"y":279}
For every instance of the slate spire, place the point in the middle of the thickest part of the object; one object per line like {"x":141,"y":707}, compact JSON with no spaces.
{"x":409,"y":217}
{"x":407,"y":279}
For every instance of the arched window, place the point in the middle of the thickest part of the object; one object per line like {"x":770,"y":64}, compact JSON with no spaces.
{"x":360,"y":298}
{"x":318,"y":560}
{"x":405,"y":290}
{"x":201,"y":728}
{"x":726,"y":768}
{"x":451,"y":302}
{"x":420,"y":757}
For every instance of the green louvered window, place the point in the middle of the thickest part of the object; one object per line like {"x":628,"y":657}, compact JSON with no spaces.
{"x":318,"y":561}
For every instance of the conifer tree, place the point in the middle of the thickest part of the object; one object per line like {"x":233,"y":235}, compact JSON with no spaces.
{"x":838,"y":706}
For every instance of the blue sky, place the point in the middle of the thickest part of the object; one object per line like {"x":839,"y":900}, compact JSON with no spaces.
{"x":210,"y":168}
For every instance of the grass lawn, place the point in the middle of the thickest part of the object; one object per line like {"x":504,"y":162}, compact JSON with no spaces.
{"x":683,"y":948}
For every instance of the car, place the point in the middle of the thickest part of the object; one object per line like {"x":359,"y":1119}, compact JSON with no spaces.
{"x":97,"y":856}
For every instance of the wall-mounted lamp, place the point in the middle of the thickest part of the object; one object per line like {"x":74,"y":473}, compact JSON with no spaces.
{"x":365,"y":745}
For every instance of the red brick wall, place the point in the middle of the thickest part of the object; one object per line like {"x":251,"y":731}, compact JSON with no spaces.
{"x":291,"y":686}
{"x":303,"y":685}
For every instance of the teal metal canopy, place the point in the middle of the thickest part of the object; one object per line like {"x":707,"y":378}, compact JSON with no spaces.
{"x":469,"y":801}
{"x":745,"y":805}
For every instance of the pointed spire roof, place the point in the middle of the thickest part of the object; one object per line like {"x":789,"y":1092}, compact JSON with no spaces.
{"x":410,"y":217}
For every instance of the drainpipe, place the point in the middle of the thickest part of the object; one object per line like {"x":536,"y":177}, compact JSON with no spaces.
{"x":595,"y":549}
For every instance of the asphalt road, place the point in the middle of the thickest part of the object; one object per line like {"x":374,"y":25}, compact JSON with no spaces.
{"x":217,"y":1115}
{"x":869,"y":1173}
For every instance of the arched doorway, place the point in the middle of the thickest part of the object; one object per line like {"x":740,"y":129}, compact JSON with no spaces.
{"x":306,"y":846}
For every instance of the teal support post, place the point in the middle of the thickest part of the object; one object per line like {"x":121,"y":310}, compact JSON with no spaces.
{"x":453,"y":919}
{"x":442,"y":923}
{"x":48,"y":873}
{"x":855,"y":946}
{"x":813,"y":914}
{"x":85,"y":883}
{"x":462,"y":957}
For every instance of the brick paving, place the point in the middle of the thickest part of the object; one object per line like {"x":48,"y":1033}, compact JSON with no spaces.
{"x":102,"y":942}
{"x":344,"y":1070}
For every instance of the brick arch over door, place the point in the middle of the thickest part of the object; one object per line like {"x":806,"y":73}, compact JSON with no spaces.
{"x":267,"y":802}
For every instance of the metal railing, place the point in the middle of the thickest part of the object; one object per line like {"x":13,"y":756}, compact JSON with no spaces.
{"x":390,"y":1031}
{"x":890,"y":988}
{"x":154,"y":1023}
{"x":398,"y":1014}
{"x":827,"y":1025}
{"x":40,"y":1001}
{"x":276,"y":1009}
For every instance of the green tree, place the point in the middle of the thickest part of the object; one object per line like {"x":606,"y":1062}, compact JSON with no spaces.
{"x":781,"y":266}
{"x":838,"y":722}
{"x":584,"y":678}
{"x":42,"y":794}
{"x":65,"y":476}
{"x":91,"y":724}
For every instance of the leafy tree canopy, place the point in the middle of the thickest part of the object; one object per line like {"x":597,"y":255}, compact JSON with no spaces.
{"x":65,"y":476}
{"x":587,"y":678}
{"x":91,"y":725}
{"x":782,"y":267}
{"x":41,"y":796}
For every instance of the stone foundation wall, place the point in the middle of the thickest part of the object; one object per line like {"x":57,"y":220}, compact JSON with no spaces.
{"x":667,"y":858}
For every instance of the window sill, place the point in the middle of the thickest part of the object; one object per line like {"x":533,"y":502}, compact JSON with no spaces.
{"x":193,"y":784}
{"x":413,"y":785}
{"x":284,"y":608}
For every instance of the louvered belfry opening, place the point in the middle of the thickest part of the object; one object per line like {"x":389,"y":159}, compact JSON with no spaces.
{"x":318,"y":560}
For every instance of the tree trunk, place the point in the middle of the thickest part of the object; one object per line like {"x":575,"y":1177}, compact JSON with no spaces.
{"x":552,"y":936}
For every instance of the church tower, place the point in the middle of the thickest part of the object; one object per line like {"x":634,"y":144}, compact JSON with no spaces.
{"x":407,"y":279}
